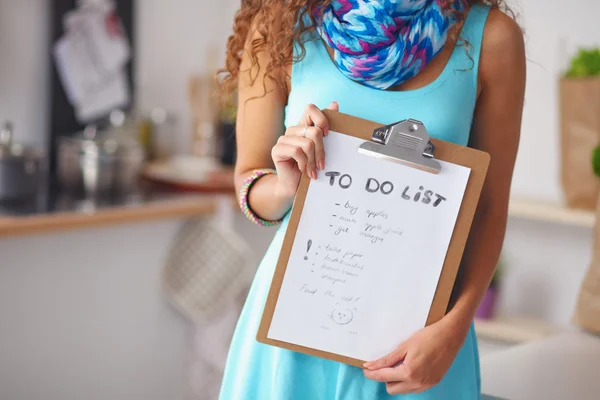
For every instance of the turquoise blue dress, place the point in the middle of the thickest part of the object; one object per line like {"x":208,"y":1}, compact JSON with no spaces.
{"x":256,"y":371}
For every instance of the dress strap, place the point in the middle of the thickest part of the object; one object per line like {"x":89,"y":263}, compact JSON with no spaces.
{"x":472,"y":33}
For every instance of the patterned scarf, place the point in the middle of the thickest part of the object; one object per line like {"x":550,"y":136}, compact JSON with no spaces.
{"x":382,"y":43}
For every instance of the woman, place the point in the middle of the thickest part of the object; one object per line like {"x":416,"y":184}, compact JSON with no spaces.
{"x":459,"y":67}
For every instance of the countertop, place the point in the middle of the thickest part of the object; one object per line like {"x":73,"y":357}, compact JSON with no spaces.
{"x":563,"y":366}
{"x":59,"y":211}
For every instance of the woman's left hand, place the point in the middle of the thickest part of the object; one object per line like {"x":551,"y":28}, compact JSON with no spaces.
{"x":421,"y":361}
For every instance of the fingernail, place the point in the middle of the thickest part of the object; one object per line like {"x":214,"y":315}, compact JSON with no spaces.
{"x":320,"y":165}
{"x":316,"y":174}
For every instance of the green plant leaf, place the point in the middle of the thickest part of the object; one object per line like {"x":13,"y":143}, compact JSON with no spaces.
{"x":596,"y":161}
{"x":498,"y":274}
{"x":585,"y":63}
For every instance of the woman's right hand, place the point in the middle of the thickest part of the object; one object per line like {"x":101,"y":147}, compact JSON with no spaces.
{"x":301,"y":150}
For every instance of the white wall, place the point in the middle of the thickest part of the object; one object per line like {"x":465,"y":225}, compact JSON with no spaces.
{"x":24,"y":72}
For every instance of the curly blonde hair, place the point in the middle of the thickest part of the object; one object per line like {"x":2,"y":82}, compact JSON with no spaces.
{"x":275,"y":26}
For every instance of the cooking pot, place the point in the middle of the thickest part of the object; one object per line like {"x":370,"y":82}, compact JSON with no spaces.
{"x":95,"y":162}
{"x":21,"y":167}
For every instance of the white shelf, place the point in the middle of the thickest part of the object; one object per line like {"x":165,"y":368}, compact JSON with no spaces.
{"x":514,"y":330}
{"x":548,"y":212}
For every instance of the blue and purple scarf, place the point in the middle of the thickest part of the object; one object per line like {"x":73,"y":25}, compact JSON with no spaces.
{"x":384,"y":43}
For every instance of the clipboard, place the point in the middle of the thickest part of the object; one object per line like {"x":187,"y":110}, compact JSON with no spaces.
{"x":406,"y":142}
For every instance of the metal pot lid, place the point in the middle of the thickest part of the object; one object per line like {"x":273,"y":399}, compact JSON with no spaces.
{"x":93,"y":140}
{"x":11,"y":150}
{"x":109,"y":142}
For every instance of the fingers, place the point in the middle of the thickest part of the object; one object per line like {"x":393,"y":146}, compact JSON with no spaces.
{"x":334,"y":106}
{"x":285,"y":152}
{"x":307,"y":147}
{"x":390,"y":360}
{"x":314,"y":134}
{"x":394,"y":388}
{"x":398,"y":374}
{"x":308,"y":136}
{"x":397,"y":380}
{"x":313,"y":116}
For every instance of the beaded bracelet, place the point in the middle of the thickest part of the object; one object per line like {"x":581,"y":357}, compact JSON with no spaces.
{"x":243,"y":198}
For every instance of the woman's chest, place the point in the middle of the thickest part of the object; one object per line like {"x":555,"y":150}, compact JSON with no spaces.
{"x":447,"y":115}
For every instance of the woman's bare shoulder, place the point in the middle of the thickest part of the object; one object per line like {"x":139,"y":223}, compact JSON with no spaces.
{"x":503,"y":47}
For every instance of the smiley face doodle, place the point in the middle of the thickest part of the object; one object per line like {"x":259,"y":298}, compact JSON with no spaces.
{"x":342,"y":316}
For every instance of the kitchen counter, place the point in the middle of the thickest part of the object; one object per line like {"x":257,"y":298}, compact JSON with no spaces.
{"x":153,"y":199}
{"x":61,"y":212}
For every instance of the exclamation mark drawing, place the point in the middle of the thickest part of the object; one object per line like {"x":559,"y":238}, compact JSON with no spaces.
{"x":308,"y":246}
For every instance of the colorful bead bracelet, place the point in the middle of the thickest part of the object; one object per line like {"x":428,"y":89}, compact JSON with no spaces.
{"x":243,"y":197}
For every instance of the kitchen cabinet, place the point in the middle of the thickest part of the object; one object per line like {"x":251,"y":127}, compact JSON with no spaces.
{"x":83,"y":312}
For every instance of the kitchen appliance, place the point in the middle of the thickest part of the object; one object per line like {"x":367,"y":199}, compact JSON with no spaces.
{"x":21,"y":167}
{"x":96,"y":162}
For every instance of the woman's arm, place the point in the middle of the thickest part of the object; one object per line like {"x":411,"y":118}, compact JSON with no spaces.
{"x":422,"y":361}
{"x":260,"y":121}
{"x":496,"y":130}
{"x":260,"y":124}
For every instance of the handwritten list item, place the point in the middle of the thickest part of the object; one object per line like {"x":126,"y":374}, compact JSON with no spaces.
{"x":368,"y":253}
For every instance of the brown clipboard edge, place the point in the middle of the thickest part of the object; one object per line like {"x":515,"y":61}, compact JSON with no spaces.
{"x":477,"y":161}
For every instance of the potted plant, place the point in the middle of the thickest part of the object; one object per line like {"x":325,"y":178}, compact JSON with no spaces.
{"x":580,"y":128}
{"x":487,"y":308}
{"x":585,"y":64}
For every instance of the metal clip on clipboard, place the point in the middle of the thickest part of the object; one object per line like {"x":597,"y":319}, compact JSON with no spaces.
{"x":405,"y":142}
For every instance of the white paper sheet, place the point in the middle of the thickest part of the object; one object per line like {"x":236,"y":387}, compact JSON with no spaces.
{"x":368,"y":253}
{"x":115,"y":94}
{"x":80,"y":77}
{"x":91,"y":58}
{"x":105,"y":37}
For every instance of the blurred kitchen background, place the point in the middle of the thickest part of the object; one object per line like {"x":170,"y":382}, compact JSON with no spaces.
{"x":116,"y":201}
